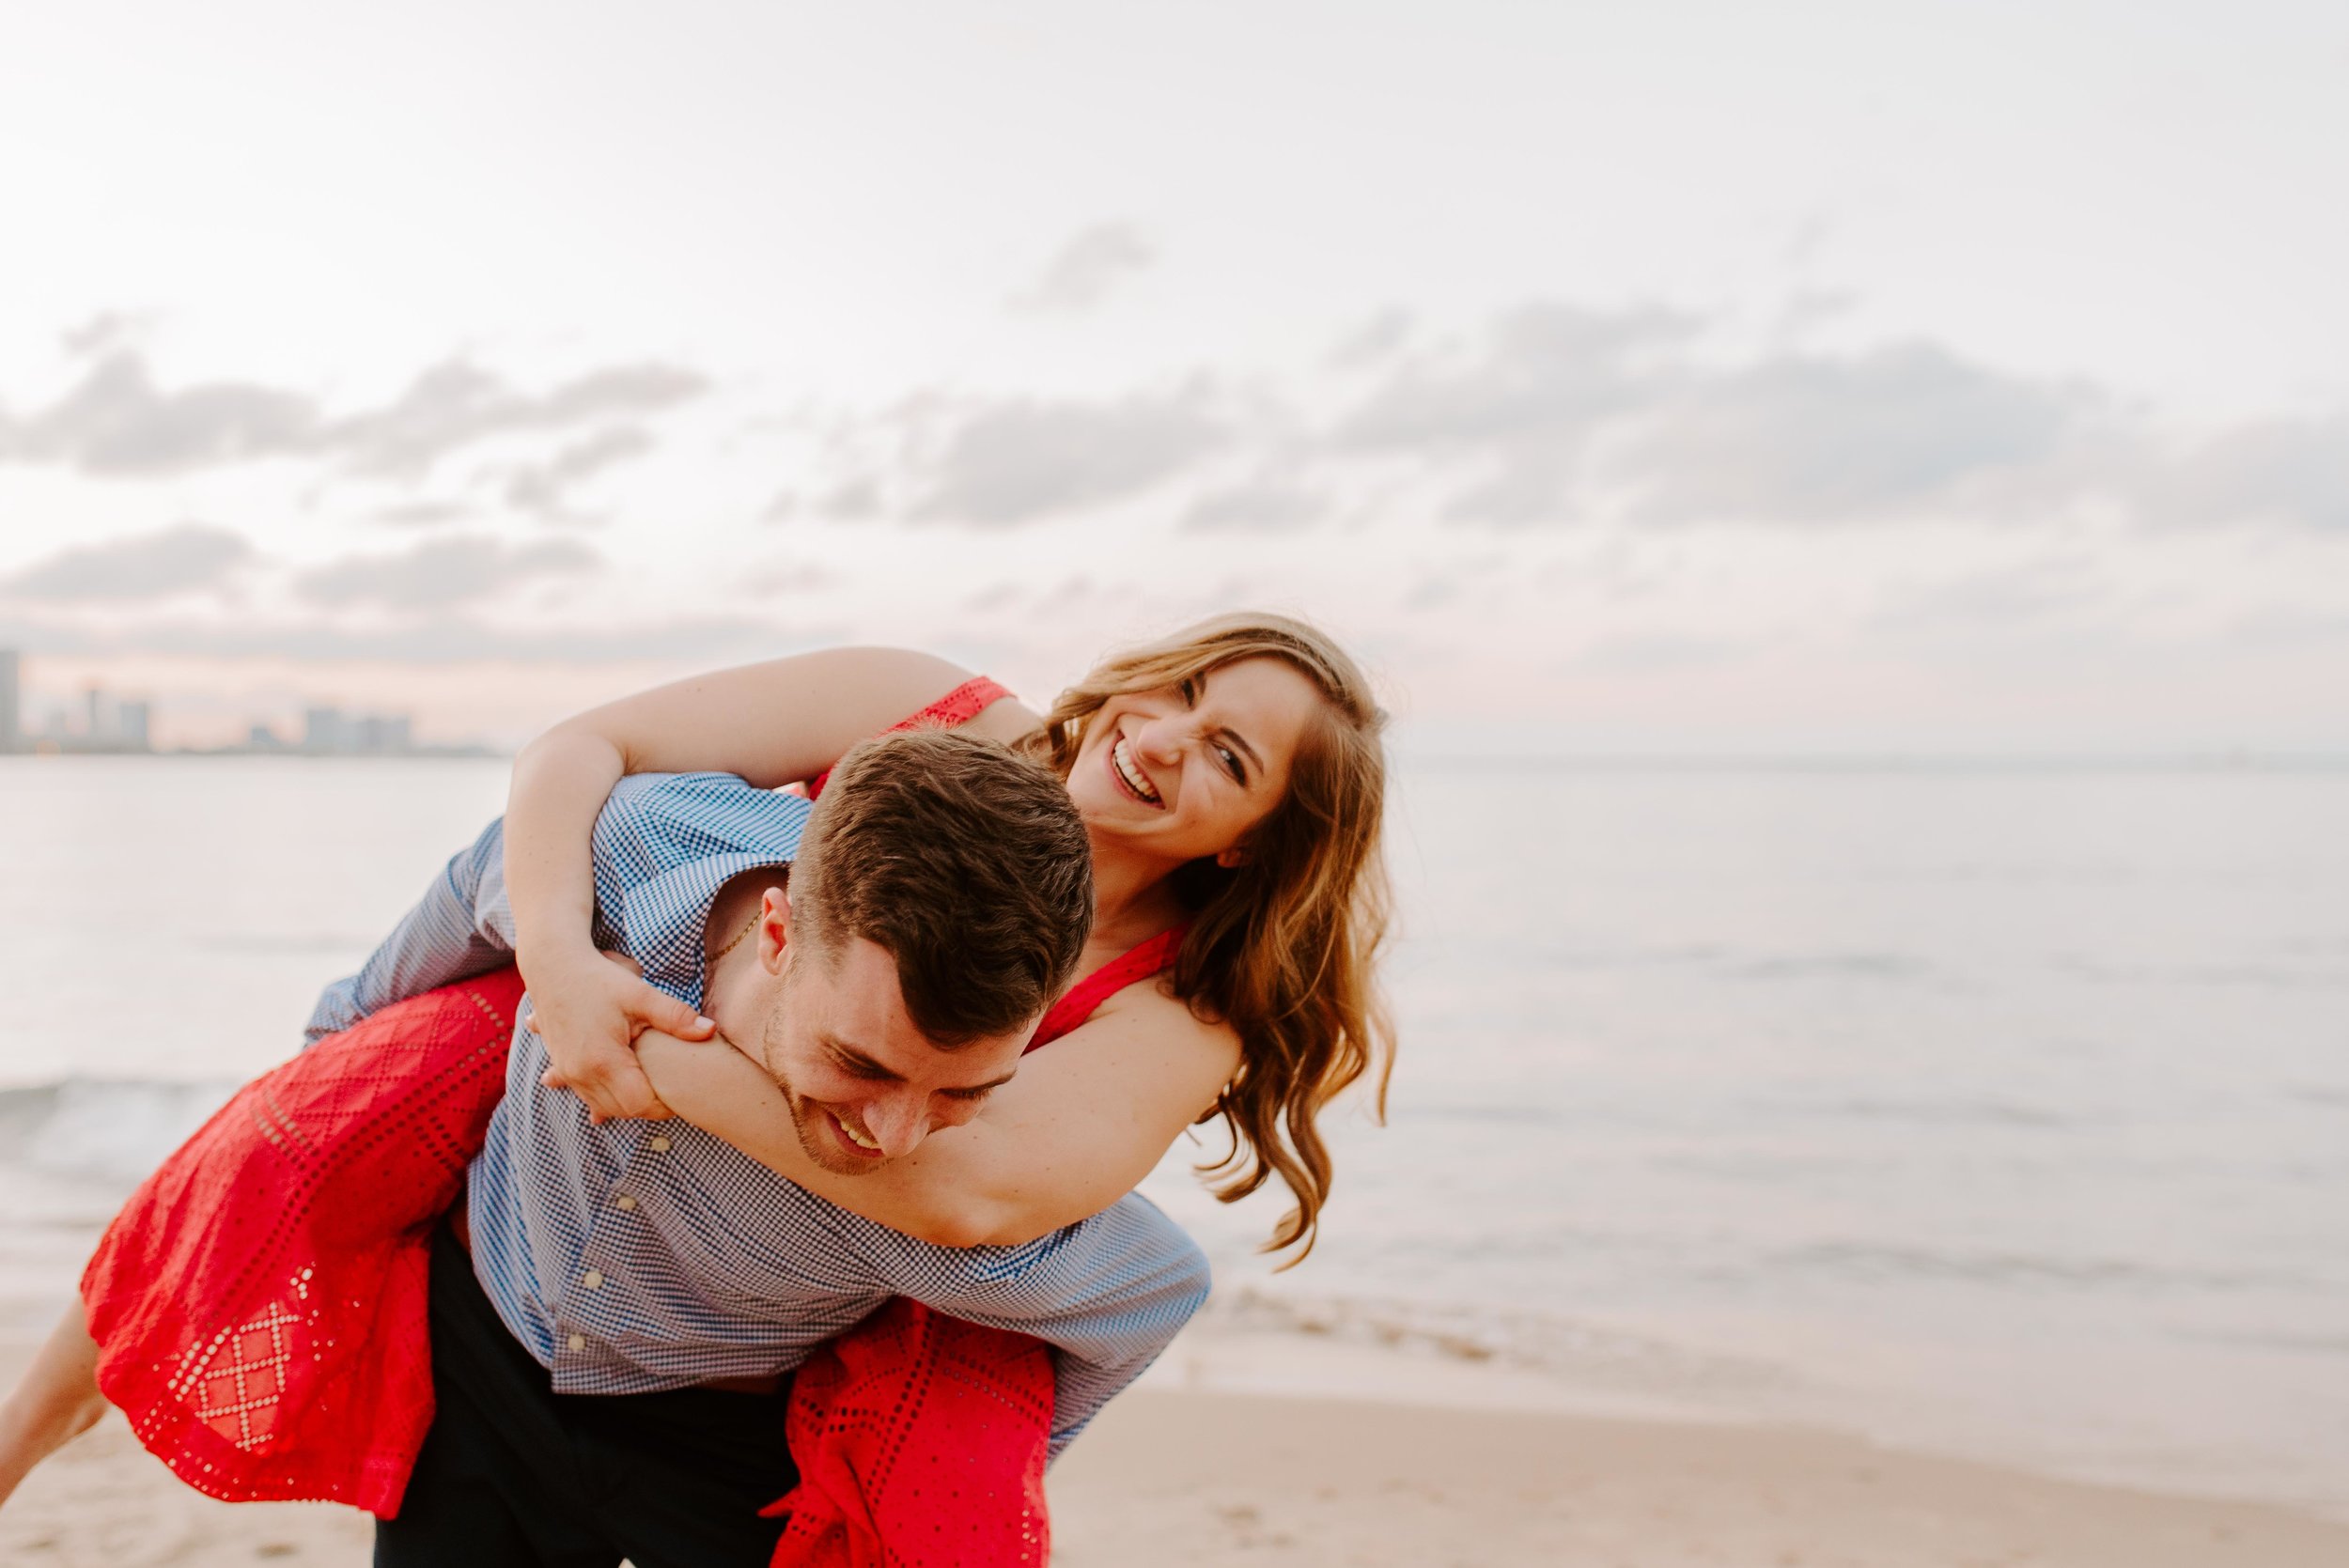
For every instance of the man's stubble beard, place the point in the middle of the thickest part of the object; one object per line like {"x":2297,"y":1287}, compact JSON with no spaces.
{"x":808,"y":1119}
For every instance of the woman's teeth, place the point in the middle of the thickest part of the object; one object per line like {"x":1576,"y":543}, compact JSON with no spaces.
{"x":1124,"y":758}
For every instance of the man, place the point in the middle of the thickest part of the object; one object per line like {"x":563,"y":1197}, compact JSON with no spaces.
{"x":609,"y":1363}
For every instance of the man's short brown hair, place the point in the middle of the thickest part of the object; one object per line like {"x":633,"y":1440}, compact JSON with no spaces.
{"x":964,"y":862}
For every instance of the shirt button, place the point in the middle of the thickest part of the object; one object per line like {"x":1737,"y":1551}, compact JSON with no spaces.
{"x":658,"y":1145}
{"x":624,"y":1201}
{"x":591,"y":1280}
{"x":579,"y":1342}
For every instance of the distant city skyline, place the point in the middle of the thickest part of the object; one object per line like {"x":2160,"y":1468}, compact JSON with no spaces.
{"x":97,"y":720}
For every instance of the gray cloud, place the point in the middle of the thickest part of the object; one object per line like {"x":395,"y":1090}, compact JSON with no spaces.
{"x":150,"y":567}
{"x":1807,"y":439}
{"x":544,"y":488}
{"x":790,"y":577}
{"x":1088,"y":269}
{"x":2289,"y":471}
{"x":1545,"y":374}
{"x":438,"y":640}
{"x":2005,"y":598}
{"x":423,"y":514}
{"x":1522,"y":406}
{"x":117,"y":422}
{"x":1375,"y":340}
{"x":1269,"y":505}
{"x":456,"y":404}
{"x":108,"y":329}
{"x":1023,"y":460}
{"x":442,"y":573}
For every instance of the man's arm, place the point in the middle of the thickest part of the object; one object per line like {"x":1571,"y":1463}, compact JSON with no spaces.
{"x":462,"y":928}
{"x":1109,"y":1294}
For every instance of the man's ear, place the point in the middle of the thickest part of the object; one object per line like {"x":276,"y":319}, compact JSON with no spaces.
{"x":774,"y":926}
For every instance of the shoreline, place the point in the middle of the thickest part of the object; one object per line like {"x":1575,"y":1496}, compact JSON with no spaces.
{"x":1175,"y":1477}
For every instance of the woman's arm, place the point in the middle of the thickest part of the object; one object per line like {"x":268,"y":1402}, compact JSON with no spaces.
{"x":773,"y":723}
{"x":1084,"y":1121}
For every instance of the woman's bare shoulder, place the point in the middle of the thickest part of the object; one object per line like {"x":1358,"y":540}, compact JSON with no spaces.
{"x":1155,"y":1016}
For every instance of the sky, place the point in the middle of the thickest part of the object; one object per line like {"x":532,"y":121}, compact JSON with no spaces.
{"x":1690,"y":377}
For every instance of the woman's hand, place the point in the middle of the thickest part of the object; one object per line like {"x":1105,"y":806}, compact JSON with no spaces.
{"x":590,"y":1007}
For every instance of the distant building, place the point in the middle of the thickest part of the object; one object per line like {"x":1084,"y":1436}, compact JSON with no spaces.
{"x":260,"y":738}
{"x":96,"y":715}
{"x":325,"y":730}
{"x":131,"y":724}
{"x":383,"y":733}
{"x":11,"y":727}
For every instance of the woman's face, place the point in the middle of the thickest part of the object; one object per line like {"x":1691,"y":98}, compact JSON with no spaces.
{"x":1185,"y":772}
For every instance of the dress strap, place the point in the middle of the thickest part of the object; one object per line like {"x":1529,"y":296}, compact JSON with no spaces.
{"x":959,"y":707}
{"x":1138,"y":962}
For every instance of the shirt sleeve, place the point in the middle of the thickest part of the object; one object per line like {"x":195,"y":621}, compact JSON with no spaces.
{"x":1108,"y":1294}
{"x":463,"y":927}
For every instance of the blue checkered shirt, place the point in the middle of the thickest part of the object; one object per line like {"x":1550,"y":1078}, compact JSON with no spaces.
{"x":644,"y":1255}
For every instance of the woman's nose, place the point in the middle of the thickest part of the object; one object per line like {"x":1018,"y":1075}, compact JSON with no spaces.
{"x":1160,"y":740}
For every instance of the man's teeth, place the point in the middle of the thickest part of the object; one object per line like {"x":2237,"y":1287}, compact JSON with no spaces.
{"x":859,"y":1139}
{"x":1127,"y":772}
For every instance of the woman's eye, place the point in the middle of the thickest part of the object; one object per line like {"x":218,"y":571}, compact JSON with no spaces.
{"x":1231,"y":764}
{"x":1187,"y":689}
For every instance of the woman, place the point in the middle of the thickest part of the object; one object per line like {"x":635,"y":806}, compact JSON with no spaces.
{"x":1231,"y":780}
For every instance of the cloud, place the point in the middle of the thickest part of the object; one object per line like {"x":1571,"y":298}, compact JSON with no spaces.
{"x":1522,"y":406}
{"x":544,"y":488}
{"x":790,"y":577}
{"x":1023,"y":460}
{"x":439,"y":640}
{"x":110,"y":329}
{"x":2294,"y":470}
{"x":1810,"y":438}
{"x":1266,"y":507}
{"x":1544,"y":373}
{"x":2005,"y":598}
{"x":117,"y":422}
{"x":1376,"y":339}
{"x":1088,"y":269}
{"x":423,"y":514}
{"x":457,"y":404}
{"x":150,"y":567}
{"x":442,"y":573}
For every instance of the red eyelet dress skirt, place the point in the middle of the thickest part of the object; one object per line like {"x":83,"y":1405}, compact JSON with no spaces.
{"x":260,"y":1313}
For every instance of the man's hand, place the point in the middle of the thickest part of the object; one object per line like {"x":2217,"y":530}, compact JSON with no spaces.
{"x":590,"y":1013}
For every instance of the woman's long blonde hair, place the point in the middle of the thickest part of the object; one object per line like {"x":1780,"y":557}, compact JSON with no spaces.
{"x":1280,"y":947}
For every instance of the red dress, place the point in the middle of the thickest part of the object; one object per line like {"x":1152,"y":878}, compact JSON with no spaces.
{"x":259,"y":1304}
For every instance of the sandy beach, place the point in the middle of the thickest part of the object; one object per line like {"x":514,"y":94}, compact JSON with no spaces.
{"x":1170,"y":1478}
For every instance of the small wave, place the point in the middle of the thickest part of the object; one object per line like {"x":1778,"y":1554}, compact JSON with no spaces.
{"x":1950,"y":1112}
{"x":1840,"y":966}
{"x":106,"y":1129}
{"x":1486,"y":1334}
{"x":1887,"y":1260}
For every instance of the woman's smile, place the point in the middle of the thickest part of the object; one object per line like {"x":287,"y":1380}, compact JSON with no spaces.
{"x":1128,"y":773}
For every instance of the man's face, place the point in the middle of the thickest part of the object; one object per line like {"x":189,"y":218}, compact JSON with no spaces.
{"x":866,"y":1086}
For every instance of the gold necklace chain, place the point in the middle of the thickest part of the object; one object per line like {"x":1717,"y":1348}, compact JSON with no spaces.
{"x":737,"y":936}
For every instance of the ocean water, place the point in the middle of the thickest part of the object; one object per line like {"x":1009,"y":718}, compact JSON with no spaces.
{"x":1997,"y":1110}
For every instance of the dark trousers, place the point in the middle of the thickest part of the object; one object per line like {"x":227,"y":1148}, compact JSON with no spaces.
{"x":514,"y":1475}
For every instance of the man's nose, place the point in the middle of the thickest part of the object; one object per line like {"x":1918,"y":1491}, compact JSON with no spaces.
{"x":898,"y":1123}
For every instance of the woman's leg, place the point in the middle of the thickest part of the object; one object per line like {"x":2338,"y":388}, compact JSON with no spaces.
{"x":57,"y":1401}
